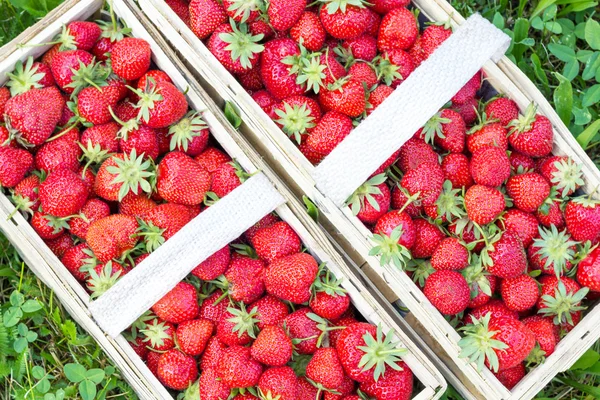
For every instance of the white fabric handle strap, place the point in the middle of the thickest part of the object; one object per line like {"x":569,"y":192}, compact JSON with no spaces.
{"x":411,"y":105}
{"x":210,"y":231}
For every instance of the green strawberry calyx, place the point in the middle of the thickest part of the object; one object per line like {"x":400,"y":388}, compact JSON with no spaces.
{"x":421,"y":269}
{"x":242,"y":44}
{"x":328,"y":283}
{"x":334,"y":5}
{"x":156,"y":333}
{"x":387,"y":71}
{"x":98,"y":284}
{"x":93,"y":74}
{"x":243,"y":8}
{"x":434,"y":128}
{"x":295,"y":120}
{"x":22,"y":203}
{"x":568,"y":176}
{"x":366,"y":193}
{"x":557,"y":248}
{"x":112,"y":29}
{"x":450,"y":203}
{"x":148,"y":97}
{"x":478,"y":345}
{"x":524,"y":122}
{"x":94,"y":154}
{"x":389,"y":249}
{"x":57,"y":223}
{"x":183,"y":132}
{"x":24,"y":77}
{"x":152,"y":235}
{"x":245,"y":322}
{"x":536,"y":357}
{"x":563,"y":304}
{"x":133,"y":173}
{"x":380,"y":352}
{"x":477,"y":277}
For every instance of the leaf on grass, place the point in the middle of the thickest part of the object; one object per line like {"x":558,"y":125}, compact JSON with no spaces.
{"x":95,"y":375}
{"x":585,"y":137}
{"x":87,"y":390}
{"x":571,"y":70}
{"x":588,"y":359}
{"x":591,"y":390}
{"x":591,"y":96}
{"x":592,"y":33}
{"x":592,"y":65}
{"x":75,"y":372}
{"x":542,"y":5}
{"x":562,"y":52}
{"x":31,"y":306}
{"x":563,"y":98}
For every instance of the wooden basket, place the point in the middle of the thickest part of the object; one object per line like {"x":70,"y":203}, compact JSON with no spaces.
{"x":47,"y":266}
{"x":353,"y":236}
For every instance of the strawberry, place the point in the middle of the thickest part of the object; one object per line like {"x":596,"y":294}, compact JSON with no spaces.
{"x":192,"y":336}
{"x":237,"y":369}
{"x":511,"y":376}
{"x":503,"y":109}
{"x":259,"y":26}
{"x":343,"y":19}
{"x":483,"y":204}
{"x":206,"y":16}
{"x":178,"y":305}
{"x":244,"y":278}
{"x":290,"y":278}
{"x":122,"y":174}
{"x":14,"y":165}
{"x":139,"y":347}
{"x":363,"y":73}
{"x":520,"y":293}
{"x":104,"y":276}
{"x":4,"y":96}
{"x":112,"y":236}
{"x":395,"y":385}
{"x":189,"y":135}
{"x":276,"y":241}
{"x":415,"y":152}
{"x":330,"y":299}
{"x":161,"y":104}
{"x":385,"y":6}
{"x":212,"y":308}
{"x":211,"y":387}
{"x":507,"y":259}
{"x":63,"y":193}
{"x":32,"y":116}
{"x":131,"y":58}
{"x":450,"y":254}
{"x":546,"y":335}
{"x":426,"y":180}
{"x":562,"y":173}
{"x":212,"y":354}
{"x":371,"y":200}
{"x":448,"y":291}
{"x":181,"y":8}
{"x":394,"y":66}
{"x":75,"y":258}
{"x":431,"y":38}
{"x":363,"y":47}
{"x":531,"y":134}
{"x":588,"y":271}
{"x":284,"y":14}
{"x":357,"y":342}
{"x":347,"y":96}
{"x":297,"y":116}
{"x":525,"y":225}
{"x":211,"y":158}
{"x":156,"y":74}
{"x":159,"y":335}
{"x":397,"y":222}
{"x":275,"y":72}
{"x":469,"y":91}
{"x":93,"y":210}
{"x":266,"y":221}
{"x":306,"y":390}
{"x":152,"y":362}
{"x":377,"y":96}
{"x":491,"y":134}
{"x":468,"y":110}
{"x":214,"y":265}
{"x":48,"y":226}
{"x":226,"y":178}
{"x":551,"y":215}
{"x":447,"y":129}
{"x":502,"y":343}
{"x":325,"y":369}
{"x":250,"y":79}
{"x":553,"y":253}
{"x":181,"y":180}
{"x":143,"y":139}
{"x":308,"y":28}
{"x":28,"y":76}
{"x":242,"y":11}
{"x":482,"y":285}
{"x":561,"y":299}
{"x":71,"y":69}
{"x":269,"y":311}
{"x":428,"y":237}
{"x":176,"y":370}
{"x":279,"y":383}
{"x":456,"y":170}
{"x":495,"y":307}
{"x":25,"y":196}
{"x":80,"y":35}
{"x":490,"y":166}
{"x":237,"y":326}
{"x":303,"y":330}
{"x":528,"y":191}
{"x":398,"y":30}
{"x":272,"y":347}
{"x":60,"y":153}
{"x":160,"y":223}
{"x":93,"y":104}
{"x":582,"y":217}
{"x":235,"y":48}
{"x":345,"y":389}
{"x":135,"y":205}
{"x":329,"y":132}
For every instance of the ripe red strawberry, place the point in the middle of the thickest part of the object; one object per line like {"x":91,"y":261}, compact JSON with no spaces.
{"x":517,"y":342}
{"x":250,"y":79}
{"x":490,"y":166}
{"x":93,"y":210}
{"x":448,"y":291}
{"x":276,"y":241}
{"x":272,"y":347}
{"x":152,"y":362}
{"x":131,"y":58}
{"x":482,"y":285}
{"x":561,"y":299}
{"x":468,"y":110}
{"x":363,"y":47}
{"x":520,"y":293}
{"x":371,"y":200}
{"x":93,"y":104}
{"x":121,"y":174}
{"x":176,"y":370}
{"x":136,"y":205}
{"x":192,"y":336}
{"x":588,"y":271}
{"x":4,"y":96}
{"x":155,"y":74}
{"x":363,"y":73}
{"x":395,"y":66}
{"x":492,"y":134}
{"x":426,"y":180}
{"x":69,"y":69}
{"x":531,"y":134}
{"x":48,"y":226}
{"x":469,"y":91}
{"x":447,"y":129}
{"x":329,"y":132}
{"x":259,"y":26}
{"x":214,"y":265}
{"x":345,"y":390}
{"x":303,"y":330}
{"x":160,"y":223}
{"x":428,"y":237}
{"x":431,"y":38}
{"x":508,"y":259}
{"x":269,"y":311}
{"x":483,"y":204}
{"x":306,"y":390}
{"x":377,"y":96}
{"x":237,"y":369}
{"x":244,"y":278}
{"x":309,"y":30}
{"x":179,"y":305}
{"x":75,"y":258}
{"x":112,"y":236}
{"x":32,"y":116}
{"x":385,"y":6}
{"x":456,"y":170}
{"x":179,"y":179}
{"x":528,"y":191}
{"x":285,"y":14}
{"x":582,"y":217}
{"x":415,"y":152}
{"x":450,"y":254}
{"x":211,"y":387}
{"x":28,"y":76}
{"x":206,"y":16}
{"x":59,"y":153}
{"x":247,"y":50}
{"x":227,"y":177}
{"x":279,"y":383}
{"x":212,"y":354}
{"x":395,"y":385}
{"x":237,"y":326}
{"x":347,"y":98}
{"x":143,"y":139}
{"x":212,"y":308}
{"x":511,"y":376}
{"x":139,"y":347}
{"x":525,"y":225}
{"x":290,"y":278}
{"x":344,"y":23}
{"x":394,"y":221}
{"x":211,"y":158}
{"x":495,"y":307}
{"x":242,"y":11}
{"x":553,"y":253}
{"x":398,"y":30}
{"x":14,"y":165}
{"x":80,"y":35}
{"x":325,"y":369}
{"x":546,"y":334}
{"x":181,"y":8}
{"x":275,"y":73}
{"x":63,"y":193}
{"x":159,"y":335}
{"x":25,"y":196}
{"x":503,"y":109}
{"x":266,"y":221}
{"x":562,"y":173}
{"x":161,"y":104}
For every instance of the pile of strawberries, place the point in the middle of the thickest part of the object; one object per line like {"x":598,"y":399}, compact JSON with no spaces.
{"x":103,"y":153}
